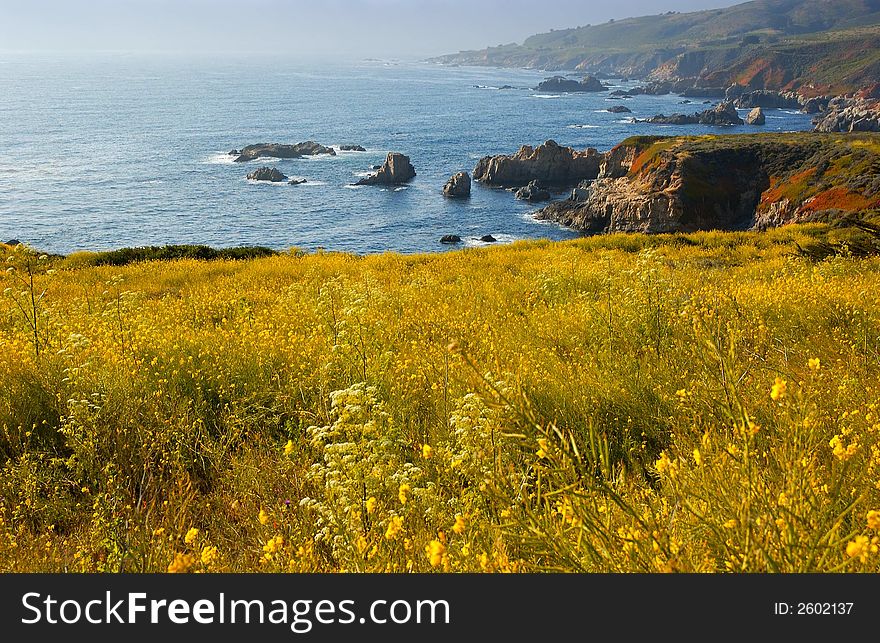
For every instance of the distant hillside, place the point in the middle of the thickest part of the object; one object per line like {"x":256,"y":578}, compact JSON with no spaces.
{"x":819,"y":45}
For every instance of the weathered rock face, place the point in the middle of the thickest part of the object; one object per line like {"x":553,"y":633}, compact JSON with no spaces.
{"x":281,"y":151}
{"x":458,"y":186}
{"x":549,"y":163}
{"x":663,"y":184}
{"x":352,"y":148}
{"x":269,"y":174}
{"x":619,"y":109}
{"x":704,"y":92}
{"x":567,"y":85}
{"x":850,"y":115}
{"x":769,"y":100}
{"x":721,"y":114}
{"x":396,"y":169}
{"x":816,"y":105}
{"x":756,"y":117}
{"x":533,"y":193}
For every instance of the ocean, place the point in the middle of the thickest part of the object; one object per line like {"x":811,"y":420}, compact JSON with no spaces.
{"x":105,"y":151}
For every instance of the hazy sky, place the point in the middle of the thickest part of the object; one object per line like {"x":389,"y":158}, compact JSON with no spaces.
{"x":403,"y":28}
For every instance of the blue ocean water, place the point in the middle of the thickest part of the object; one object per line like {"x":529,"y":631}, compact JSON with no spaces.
{"x":101,"y":151}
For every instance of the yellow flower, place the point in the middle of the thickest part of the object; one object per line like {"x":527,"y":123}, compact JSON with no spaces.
{"x":181,"y":564}
{"x":874,"y":520}
{"x":698,"y":457}
{"x":814,"y":363}
{"x":459,"y":525}
{"x":263,"y":517}
{"x":542,"y":448}
{"x":288,"y":448}
{"x":362,"y":544}
{"x":403,"y":493}
{"x":779,"y":389}
{"x":435,"y":551}
{"x":731,"y":524}
{"x":210,"y":556}
{"x":395,"y":525}
{"x":859,"y":548}
{"x":158,"y":533}
{"x":371,"y":504}
{"x":427,"y":451}
{"x":191,"y":536}
{"x":274,"y":544}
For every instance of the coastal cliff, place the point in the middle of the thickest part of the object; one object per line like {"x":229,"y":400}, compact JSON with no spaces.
{"x":680,"y":184}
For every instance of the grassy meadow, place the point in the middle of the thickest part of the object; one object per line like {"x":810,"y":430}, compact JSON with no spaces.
{"x":695,"y":403}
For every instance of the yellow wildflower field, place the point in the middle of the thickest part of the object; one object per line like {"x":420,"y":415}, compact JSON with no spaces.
{"x":704,"y":402}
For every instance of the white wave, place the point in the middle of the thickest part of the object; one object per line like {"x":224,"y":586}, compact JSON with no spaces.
{"x":401,"y":189}
{"x":485,"y":87}
{"x":220,"y":158}
{"x":364,"y":173}
{"x":584,"y":127}
{"x":500,"y":239}
{"x":792,"y":112}
{"x":547,"y":96}
{"x":353,"y":187}
{"x":282,"y":184}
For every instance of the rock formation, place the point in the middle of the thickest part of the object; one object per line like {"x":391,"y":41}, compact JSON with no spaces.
{"x":396,"y":169}
{"x":282,"y":151}
{"x":269,"y":174}
{"x":450,"y":238}
{"x":458,"y":186}
{"x":352,"y":148}
{"x":619,"y":109}
{"x":549,"y":163}
{"x":488,"y":238}
{"x":850,"y":115}
{"x":296,"y":181}
{"x":567,"y":85}
{"x":769,"y":100}
{"x":721,"y":114}
{"x":756,"y":117}
{"x":533,"y":192}
{"x":665,"y":184}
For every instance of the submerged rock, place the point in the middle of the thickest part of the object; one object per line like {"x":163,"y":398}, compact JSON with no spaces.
{"x":396,"y":169}
{"x":619,"y":109}
{"x":269,"y":174}
{"x":756,"y":117}
{"x":567,"y":85}
{"x":282,"y":151}
{"x":296,"y":181}
{"x":458,"y":186}
{"x":533,"y":192}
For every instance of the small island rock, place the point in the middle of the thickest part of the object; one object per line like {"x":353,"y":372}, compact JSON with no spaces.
{"x":756,"y":117}
{"x":270,"y":174}
{"x":450,"y":238}
{"x":458,"y":186}
{"x":396,"y":169}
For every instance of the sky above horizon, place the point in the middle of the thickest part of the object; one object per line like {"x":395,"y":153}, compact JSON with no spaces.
{"x":345,"y":28}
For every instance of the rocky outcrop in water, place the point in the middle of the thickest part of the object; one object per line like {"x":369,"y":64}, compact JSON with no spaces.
{"x":567,"y":85}
{"x":296,"y":181}
{"x":450,"y":238}
{"x":850,"y":115}
{"x":269,"y":174}
{"x":458,"y":186}
{"x":664,"y":184}
{"x":395,"y":170}
{"x":533,"y":193}
{"x":769,"y":100}
{"x":352,"y":148}
{"x":756,"y":117}
{"x":488,"y":238}
{"x":549,"y":163}
{"x":282,"y":151}
{"x":722,"y":114}
{"x":619,"y":109}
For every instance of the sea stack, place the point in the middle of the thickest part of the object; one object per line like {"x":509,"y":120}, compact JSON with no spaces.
{"x":396,"y":169}
{"x":458,"y":186}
